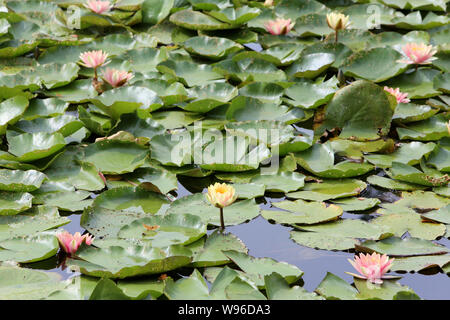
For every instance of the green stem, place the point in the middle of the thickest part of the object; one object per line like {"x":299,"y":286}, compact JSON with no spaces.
{"x":336,"y":36}
{"x":222,"y":223}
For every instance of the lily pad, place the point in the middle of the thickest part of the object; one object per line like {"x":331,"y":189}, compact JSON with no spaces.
{"x":12,"y":203}
{"x":115,"y":157}
{"x":29,"y":249}
{"x":213,"y":48}
{"x":210,"y":252}
{"x":382,"y":61}
{"x":346,"y":112}
{"x":278,"y":289}
{"x":302,"y":212}
{"x":128,"y":99}
{"x":23,"y":181}
{"x":311,"y":65}
{"x":397,"y":247}
{"x":119,"y":263}
{"x":163,"y":231}
{"x":197,"y":204}
{"x":329,"y":189}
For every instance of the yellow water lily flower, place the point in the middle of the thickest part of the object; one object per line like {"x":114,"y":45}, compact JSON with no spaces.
{"x":221,"y":195}
{"x":337,"y":21}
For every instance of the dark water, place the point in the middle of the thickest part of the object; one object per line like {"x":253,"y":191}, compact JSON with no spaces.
{"x":264,"y":239}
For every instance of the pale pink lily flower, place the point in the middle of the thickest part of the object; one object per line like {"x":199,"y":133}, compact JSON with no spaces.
{"x":279,"y":26}
{"x":400,"y":96}
{"x":418,"y":53}
{"x":70,"y":243}
{"x":371,"y":267}
{"x":93,"y":59}
{"x":116,"y":78}
{"x":98,"y":6}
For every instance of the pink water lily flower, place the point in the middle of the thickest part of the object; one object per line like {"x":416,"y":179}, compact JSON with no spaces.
{"x":279,"y":26}
{"x":116,"y":78}
{"x":70,"y":243}
{"x":98,"y":6}
{"x":93,"y":59}
{"x":418,"y":53}
{"x":371,"y":267}
{"x":400,"y":96}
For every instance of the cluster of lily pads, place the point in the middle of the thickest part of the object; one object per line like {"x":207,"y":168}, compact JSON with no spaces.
{"x":96,"y":94}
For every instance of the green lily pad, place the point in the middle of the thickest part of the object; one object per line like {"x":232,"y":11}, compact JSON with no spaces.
{"x":119,"y":263}
{"x":246,"y":109}
{"x":22,"y":181}
{"x":37,"y":219}
{"x":256,"y":268}
{"x":154,"y":11}
{"x":302,"y":212}
{"x":65,"y":200}
{"x":410,"y":112}
{"x":392,"y":184}
{"x":422,"y":200}
{"x":210,"y":96}
{"x":383,"y":64}
{"x":332,"y":287}
{"x":28,"y":147}
{"x":188,"y":72}
{"x":216,"y":156}
{"x":397,"y":247}
{"x":311,"y":65}
{"x":196,"y":20}
{"x":27,"y":284}
{"x":407,"y":153}
{"x":440,"y":215}
{"x":361,"y":109}
{"x":338,"y":235}
{"x":388,"y":290}
{"x":329,"y":189}
{"x":418,"y":84}
{"x":115,"y":157}
{"x":431,"y":177}
{"x":209,"y":252}
{"x":168,"y":230}
{"x":138,"y":289}
{"x":399,"y":224}
{"x":133,"y":199}
{"x":64,"y":124}
{"x":319,"y":159}
{"x":278,"y":289}
{"x":213,"y":48}
{"x":197,"y":204}
{"x":419,"y":263}
{"x":265,"y":92}
{"x":40,"y":108}
{"x":356,"y":149}
{"x":281,"y":181}
{"x":12,"y":203}
{"x":228,"y":284}
{"x":357,"y":204}
{"x":29,"y":249}
{"x":310,"y":95}
{"x":78,"y":91}
{"x":127,"y":99}
{"x":248,"y":69}
{"x":11,"y":110}
{"x":431,"y":129}
{"x":237,"y":16}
